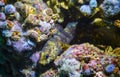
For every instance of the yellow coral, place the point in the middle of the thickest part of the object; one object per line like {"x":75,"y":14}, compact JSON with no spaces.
{"x":109,"y":50}
{"x":64,"y":5}
{"x":116,"y":51}
{"x":28,"y":9}
{"x":55,"y":16}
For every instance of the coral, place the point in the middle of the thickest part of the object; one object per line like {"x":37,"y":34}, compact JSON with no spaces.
{"x":116,"y":51}
{"x":110,"y":7}
{"x":93,"y":3}
{"x":37,"y":38}
{"x":57,"y":7}
{"x":2,"y":2}
{"x":86,"y":10}
{"x":6,"y":33}
{"x":24,"y":9}
{"x":70,"y":66}
{"x":10,"y":9}
{"x":73,"y":8}
{"x":38,"y":23}
{"x":90,"y":60}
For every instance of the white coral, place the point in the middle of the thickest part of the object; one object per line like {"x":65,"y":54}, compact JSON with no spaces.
{"x":70,"y":65}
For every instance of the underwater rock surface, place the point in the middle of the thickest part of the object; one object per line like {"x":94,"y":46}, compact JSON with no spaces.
{"x":59,"y":38}
{"x":85,"y":60}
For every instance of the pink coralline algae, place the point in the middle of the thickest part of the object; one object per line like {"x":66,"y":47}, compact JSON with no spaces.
{"x":92,"y":60}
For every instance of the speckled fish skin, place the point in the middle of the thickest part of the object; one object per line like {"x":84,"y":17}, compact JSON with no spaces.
{"x":53,"y":46}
